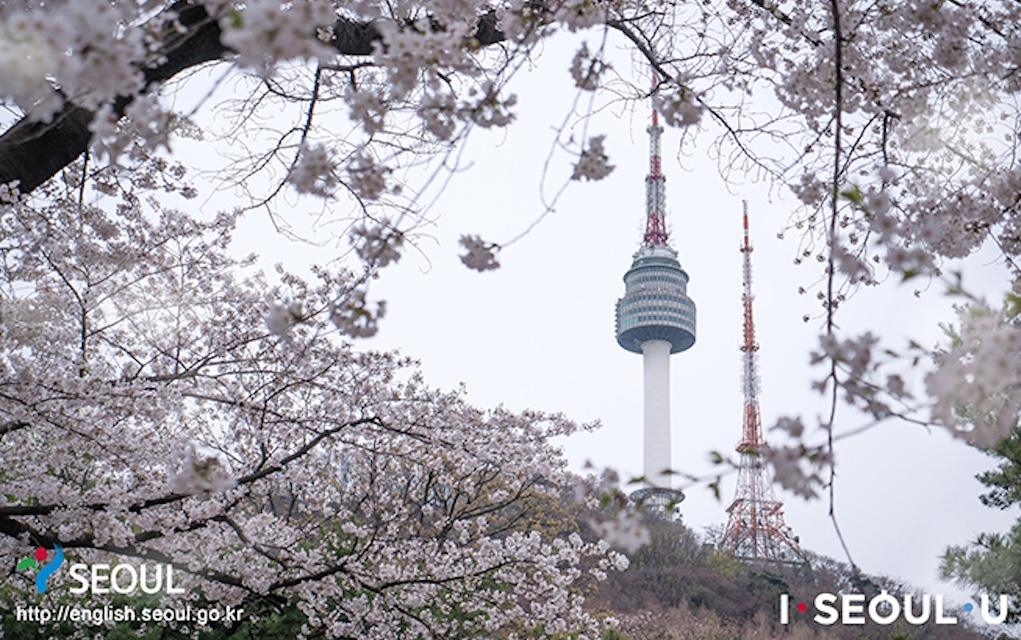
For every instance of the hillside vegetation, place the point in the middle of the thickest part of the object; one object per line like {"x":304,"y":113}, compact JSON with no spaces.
{"x":678,"y":588}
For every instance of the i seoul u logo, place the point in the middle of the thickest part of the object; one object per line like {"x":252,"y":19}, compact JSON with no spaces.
{"x":48,"y":569}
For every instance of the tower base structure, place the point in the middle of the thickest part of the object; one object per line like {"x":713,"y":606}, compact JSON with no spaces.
{"x":757,"y":531}
{"x":660,"y":502}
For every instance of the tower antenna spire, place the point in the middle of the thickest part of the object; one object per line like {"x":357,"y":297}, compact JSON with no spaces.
{"x":756,"y":530}
{"x":655,"y":183}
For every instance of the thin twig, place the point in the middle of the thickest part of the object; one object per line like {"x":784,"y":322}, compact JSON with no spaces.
{"x":830,"y":275}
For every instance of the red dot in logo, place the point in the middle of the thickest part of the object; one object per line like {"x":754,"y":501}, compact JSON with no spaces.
{"x":40,"y":553}
{"x":802,"y":607}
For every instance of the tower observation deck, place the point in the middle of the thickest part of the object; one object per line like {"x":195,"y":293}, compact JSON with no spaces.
{"x":656,"y":318}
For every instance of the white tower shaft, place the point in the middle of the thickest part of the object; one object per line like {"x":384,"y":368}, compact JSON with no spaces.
{"x":656,"y":364}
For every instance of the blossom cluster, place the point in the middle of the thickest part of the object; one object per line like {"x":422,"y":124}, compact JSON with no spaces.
{"x":90,"y":55}
{"x":977,"y":383}
{"x":586,"y":69}
{"x":314,"y":171}
{"x":219,"y":424}
{"x":893,"y":123}
{"x":479,"y":254}
{"x":265,"y":32}
{"x":593,"y":163}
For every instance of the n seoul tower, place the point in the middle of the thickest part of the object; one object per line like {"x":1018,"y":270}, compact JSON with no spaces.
{"x":656,"y":318}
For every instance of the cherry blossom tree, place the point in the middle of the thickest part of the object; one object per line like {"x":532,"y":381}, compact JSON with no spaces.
{"x":161,"y":402}
{"x":895,"y":123}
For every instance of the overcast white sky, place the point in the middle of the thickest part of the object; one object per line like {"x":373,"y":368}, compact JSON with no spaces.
{"x":538,"y":333}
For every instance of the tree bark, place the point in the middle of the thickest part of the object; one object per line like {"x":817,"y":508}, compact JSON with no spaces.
{"x":32,"y":152}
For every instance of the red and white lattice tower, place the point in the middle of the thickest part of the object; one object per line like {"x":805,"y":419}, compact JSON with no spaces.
{"x":756,"y":529}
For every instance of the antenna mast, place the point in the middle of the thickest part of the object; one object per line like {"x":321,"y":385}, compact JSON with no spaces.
{"x":756,"y":528}
{"x":655,"y":183}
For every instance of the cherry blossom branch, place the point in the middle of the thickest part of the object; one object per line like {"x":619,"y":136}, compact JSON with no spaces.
{"x":838,"y":37}
{"x":16,"y":529}
{"x":645,"y":49}
{"x":40,"y":510}
{"x":32,"y":152}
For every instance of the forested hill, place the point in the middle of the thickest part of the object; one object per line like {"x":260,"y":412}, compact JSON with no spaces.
{"x":678,"y":588}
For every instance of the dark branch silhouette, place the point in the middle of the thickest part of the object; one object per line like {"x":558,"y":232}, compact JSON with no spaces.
{"x":32,"y":152}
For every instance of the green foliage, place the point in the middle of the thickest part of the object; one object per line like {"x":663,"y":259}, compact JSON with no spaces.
{"x":992,"y":564}
{"x":1013,"y":305}
{"x":854,"y":194}
{"x":1005,"y":481}
{"x":724,"y":564}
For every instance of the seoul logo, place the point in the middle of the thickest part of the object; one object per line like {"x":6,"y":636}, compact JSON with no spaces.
{"x":886,"y":608}
{"x":39,"y":557}
{"x":100,"y":578}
